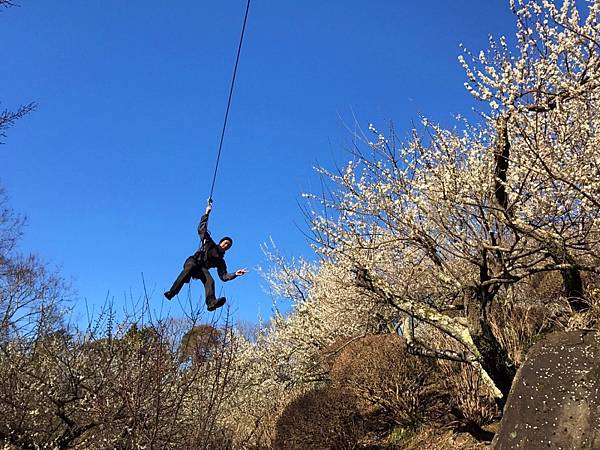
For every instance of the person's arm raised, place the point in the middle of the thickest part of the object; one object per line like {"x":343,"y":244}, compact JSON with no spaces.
{"x":203,"y":226}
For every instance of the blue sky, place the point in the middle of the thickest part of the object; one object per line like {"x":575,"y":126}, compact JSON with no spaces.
{"x":114,"y":168}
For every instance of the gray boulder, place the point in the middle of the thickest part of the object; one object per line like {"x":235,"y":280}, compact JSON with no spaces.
{"x":554,"y":401}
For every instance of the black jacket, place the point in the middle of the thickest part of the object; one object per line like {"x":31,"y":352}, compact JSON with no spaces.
{"x":210,"y":254}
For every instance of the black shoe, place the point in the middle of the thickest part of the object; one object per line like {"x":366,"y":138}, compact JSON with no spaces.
{"x":168,"y":295}
{"x":215,"y":303}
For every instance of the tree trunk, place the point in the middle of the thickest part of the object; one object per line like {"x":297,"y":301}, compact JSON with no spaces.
{"x":494,"y":359}
{"x":558,"y":252}
{"x":572,"y":282}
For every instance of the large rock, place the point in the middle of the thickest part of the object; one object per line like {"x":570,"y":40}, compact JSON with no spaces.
{"x":555,"y":398}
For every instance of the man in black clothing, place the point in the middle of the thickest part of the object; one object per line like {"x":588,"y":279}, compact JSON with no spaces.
{"x":209,"y":255}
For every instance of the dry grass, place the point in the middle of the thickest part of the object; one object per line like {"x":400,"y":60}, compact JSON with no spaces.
{"x":472,"y":404}
{"x":469,"y":400}
{"x":380,"y":372}
{"x":435,"y":439}
{"x":518,"y":325}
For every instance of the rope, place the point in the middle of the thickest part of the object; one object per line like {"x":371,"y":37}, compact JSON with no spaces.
{"x":237,"y":59}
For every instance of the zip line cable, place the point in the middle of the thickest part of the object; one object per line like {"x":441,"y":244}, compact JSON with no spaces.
{"x":237,"y":59}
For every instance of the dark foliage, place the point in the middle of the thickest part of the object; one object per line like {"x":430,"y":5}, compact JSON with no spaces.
{"x":321,"y":419}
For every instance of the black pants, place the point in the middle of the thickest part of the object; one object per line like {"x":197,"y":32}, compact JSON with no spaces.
{"x":192,"y":269}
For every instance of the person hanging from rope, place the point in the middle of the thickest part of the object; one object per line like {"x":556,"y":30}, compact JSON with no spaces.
{"x":209,"y":255}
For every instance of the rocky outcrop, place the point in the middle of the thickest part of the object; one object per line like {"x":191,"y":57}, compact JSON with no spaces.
{"x":555,"y":397}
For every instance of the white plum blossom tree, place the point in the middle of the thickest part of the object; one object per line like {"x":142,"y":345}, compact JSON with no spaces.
{"x":451,"y":219}
{"x":435,"y":231}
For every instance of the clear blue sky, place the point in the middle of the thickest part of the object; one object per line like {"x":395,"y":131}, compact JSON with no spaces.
{"x":114,"y":168}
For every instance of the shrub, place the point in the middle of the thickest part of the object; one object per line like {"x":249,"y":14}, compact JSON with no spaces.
{"x":323,"y":418}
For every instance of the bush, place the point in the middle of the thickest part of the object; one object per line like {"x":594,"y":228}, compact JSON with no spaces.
{"x":321,"y":419}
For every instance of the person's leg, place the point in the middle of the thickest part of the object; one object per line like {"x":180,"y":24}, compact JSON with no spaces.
{"x":184,"y":277}
{"x":212,"y":302}
{"x":209,"y":283}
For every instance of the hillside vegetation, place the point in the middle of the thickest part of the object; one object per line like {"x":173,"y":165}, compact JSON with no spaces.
{"x":440,"y":260}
